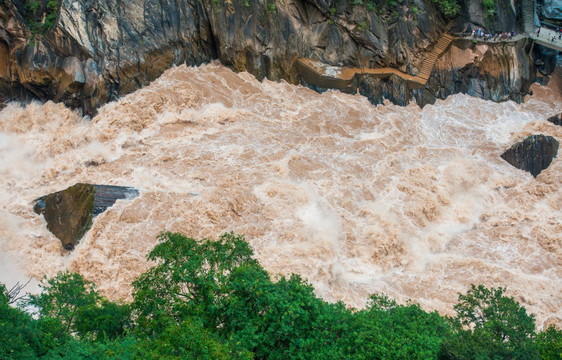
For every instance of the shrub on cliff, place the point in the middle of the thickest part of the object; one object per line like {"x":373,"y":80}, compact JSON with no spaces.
{"x":449,"y":8}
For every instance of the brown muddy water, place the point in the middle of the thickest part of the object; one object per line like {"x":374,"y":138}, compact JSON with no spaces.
{"x":415,"y":203}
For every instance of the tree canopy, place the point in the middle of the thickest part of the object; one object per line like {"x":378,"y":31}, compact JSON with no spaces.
{"x":210,"y":299}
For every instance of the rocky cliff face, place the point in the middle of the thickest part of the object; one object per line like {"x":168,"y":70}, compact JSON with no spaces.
{"x":98,"y":50}
{"x":490,"y":71}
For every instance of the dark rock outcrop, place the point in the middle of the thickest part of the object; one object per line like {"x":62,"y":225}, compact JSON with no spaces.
{"x":556,"y":119}
{"x":69,"y":212}
{"x":533,"y":154}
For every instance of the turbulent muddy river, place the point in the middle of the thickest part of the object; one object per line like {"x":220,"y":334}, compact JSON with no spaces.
{"x":415,"y":203}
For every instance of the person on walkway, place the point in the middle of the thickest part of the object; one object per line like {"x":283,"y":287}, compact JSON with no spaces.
{"x":538,"y":31}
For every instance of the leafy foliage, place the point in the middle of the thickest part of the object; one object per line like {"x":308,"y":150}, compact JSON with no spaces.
{"x":211,"y":300}
{"x":40,"y":15}
{"x":188,"y":280}
{"x":63,"y":297}
{"x":17,"y":331}
{"x":386,"y":330}
{"x":449,"y":8}
{"x":491,"y":326}
{"x":549,"y":343}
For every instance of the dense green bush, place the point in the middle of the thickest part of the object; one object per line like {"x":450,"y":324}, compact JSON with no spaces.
{"x":211,"y":300}
{"x":449,"y":8}
{"x":40,"y":15}
{"x":490,"y":325}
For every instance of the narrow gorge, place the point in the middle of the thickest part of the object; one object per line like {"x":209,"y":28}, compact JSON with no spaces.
{"x":347,"y":141}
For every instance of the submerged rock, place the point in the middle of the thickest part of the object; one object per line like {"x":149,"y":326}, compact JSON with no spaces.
{"x":534,"y":154}
{"x":556,"y":119}
{"x":69,"y":212}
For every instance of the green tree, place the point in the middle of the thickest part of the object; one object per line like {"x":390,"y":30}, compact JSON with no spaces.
{"x":283,"y":319}
{"x":64,"y":297}
{"x":105,"y":320}
{"x":74,"y":302}
{"x":189,"y":340}
{"x":386,"y":330}
{"x":18,"y":331}
{"x":189,"y":279}
{"x":490,"y":325}
{"x":549,"y":343}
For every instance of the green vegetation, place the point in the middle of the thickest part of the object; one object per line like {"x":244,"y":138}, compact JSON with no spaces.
{"x":489,"y":7}
{"x":211,"y":300}
{"x":363,"y":26}
{"x":377,"y":5}
{"x":271,"y":8}
{"x":40,"y":15}
{"x":449,"y":8}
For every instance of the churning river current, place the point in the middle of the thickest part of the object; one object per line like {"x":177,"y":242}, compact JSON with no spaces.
{"x":415,"y":203}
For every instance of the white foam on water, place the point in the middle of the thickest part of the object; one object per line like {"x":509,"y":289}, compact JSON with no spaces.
{"x":415,"y":203}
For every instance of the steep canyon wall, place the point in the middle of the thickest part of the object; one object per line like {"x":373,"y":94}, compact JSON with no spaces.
{"x":99,"y":50}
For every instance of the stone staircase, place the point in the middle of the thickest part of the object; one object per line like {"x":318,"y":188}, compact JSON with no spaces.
{"x":528,"y":15}
{"x":431,"y":58}
{"x":334,"y":77}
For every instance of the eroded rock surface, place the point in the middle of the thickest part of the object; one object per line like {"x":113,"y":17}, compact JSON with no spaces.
{"x":556,"y":119}
{"x":69,"y":213}
{"x":534,"y":154}
{"x":99,"y":50}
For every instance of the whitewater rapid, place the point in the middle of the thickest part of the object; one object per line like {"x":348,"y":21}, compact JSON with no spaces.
{"x":415,"y":203}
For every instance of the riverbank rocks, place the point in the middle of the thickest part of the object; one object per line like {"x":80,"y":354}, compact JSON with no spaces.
{"x":69,"y":213}
{"x":534,"y":154}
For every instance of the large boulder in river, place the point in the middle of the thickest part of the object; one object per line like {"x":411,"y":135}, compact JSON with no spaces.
{"x":69,"y":213}
{"x":534,"y":154}
{"x":556,"y":119}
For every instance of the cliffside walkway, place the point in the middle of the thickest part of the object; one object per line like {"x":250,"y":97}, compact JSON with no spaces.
{"x":328,"y":76}
{"x":546,"y":35}
{"x":545,"y":39}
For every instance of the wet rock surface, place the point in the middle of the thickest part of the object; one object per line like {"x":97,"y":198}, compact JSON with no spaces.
{"x":69,"y":213}
{"x":534,"y":154}
{"x":556,"y":119}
